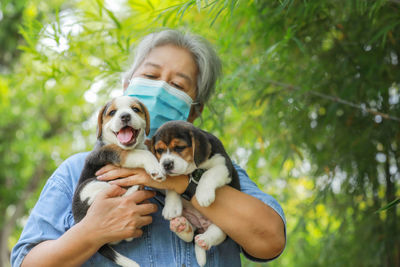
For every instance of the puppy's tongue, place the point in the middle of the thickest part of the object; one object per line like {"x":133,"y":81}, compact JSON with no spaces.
{"x":125,"y":135}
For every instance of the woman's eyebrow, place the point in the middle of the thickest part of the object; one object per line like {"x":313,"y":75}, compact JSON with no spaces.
{"x":152,"y":65}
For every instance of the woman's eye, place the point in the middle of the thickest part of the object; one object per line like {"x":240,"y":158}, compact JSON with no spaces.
{"x":178,"y":86}
{"x":136,"y":109}
{"x":112,"y":113}
{"x":150,"y":76}
{"x":160,"y":150}
{"x":179,"y":148}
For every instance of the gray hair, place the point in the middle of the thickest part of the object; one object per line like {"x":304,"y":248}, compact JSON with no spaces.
{"x":208,"y":62}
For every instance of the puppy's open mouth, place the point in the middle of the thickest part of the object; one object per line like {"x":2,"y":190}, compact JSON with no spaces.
{"x":127,"y":136}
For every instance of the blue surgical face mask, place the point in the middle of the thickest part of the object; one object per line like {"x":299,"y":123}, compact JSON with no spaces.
{"x":164,"y":102}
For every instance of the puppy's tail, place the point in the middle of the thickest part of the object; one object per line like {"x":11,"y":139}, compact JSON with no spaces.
{"x":200,"y":255}
{"x":108,"y":252}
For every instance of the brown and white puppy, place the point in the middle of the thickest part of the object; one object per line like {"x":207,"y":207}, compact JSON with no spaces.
{"x":182,"y":148}
{"x":122,"y":125}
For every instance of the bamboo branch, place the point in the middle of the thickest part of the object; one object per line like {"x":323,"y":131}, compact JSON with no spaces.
{"x":338,"y":100}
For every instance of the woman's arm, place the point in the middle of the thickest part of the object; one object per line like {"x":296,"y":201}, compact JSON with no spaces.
{"x":110,"y":218}
{"x":255,"y":226}
{"x":251,"y":223}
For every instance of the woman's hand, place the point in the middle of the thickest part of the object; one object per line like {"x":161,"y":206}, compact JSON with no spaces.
{"x":129,"y":177}
{"x":113,"y":217}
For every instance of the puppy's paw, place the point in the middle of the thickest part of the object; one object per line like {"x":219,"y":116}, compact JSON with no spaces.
{"x":159,"y":177}
{"x":202,"y":242}
{"x":156,"y":172}
{"x":178,"y":224}
{"x":171,"y":211}
{"x":182,"y":227}
{"x":205,"y":197}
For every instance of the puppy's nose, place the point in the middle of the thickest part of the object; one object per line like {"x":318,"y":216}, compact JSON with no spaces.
{"x":125,"y":117}
{"x":168,"y":165}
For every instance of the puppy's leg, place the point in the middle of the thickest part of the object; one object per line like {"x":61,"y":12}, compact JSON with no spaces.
{"x":216,"y":176}
{"x":173,"y":205}
{"x":182,"y":228}
{"x":89,"y":191}
{"x":212,"y":237}
{"x":203,"y":242}
{"x":144,"y":159}
{"x":201,"y":255}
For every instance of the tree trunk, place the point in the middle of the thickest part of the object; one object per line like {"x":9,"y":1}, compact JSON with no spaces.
{"x":391,"y":224}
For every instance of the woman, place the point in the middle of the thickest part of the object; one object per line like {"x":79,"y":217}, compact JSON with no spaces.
{"x":253,"y":220}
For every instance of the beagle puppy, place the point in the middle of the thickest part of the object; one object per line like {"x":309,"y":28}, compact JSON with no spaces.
{"x":122,"y":125}
{"x":182,"y":148}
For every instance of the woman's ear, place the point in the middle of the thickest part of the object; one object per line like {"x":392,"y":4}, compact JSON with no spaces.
{"x":125,"y":84}
{"x":195,"y":112}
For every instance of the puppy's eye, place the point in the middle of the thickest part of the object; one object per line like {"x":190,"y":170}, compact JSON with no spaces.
{"x":159,"y":150}
{"x":112,"y":113}
{"x":136,"y":110}
{"x":179,"y":148}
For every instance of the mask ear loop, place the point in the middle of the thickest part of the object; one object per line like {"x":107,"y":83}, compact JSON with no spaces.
{"x":197,"y":111}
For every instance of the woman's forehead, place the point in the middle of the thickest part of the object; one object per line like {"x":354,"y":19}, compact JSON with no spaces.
{"x":173,"y":62}
{"x":173,"y":58}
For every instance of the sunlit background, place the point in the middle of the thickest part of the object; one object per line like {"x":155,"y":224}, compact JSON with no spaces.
{"x":308,"y":105}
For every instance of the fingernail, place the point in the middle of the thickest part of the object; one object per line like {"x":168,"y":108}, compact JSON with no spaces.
{"x":100,"y":177}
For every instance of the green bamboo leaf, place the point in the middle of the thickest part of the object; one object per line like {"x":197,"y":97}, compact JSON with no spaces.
{"x":383,"y":32}
{"x":112,"y":16}
{"x":183,"y":9}
{"x":150,"y":4}
{"x":390,"y":205}
{"x":216,"y":16}
{"x":100,"y":4}
{"x":232,"y":6}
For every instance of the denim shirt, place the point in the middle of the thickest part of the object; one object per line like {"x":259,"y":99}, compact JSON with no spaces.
{"x":158,"y":246}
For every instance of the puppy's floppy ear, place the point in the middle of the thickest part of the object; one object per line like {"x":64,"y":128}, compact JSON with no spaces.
{"x":147,"y":116}
{"x":102,"y":112}
{"x":200,"y":146}
{"x":149,"y":144}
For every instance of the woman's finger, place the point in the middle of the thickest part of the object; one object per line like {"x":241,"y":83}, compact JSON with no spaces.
{"x":127,"y":181}
{"x":116,"y":173}
{"x":111,"y":191}
{"x":146,"y":209}
{"x":137,"y":233}
{"x":144,"y":220}
{"x":105,"y":169}
{"x":141,"y":195}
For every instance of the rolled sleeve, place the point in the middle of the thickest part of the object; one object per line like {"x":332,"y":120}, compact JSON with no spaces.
{"x":49,"y":219}
{"x":249,"y":187}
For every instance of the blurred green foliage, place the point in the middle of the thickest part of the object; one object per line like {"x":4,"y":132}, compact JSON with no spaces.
{"x":309,"y":105}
